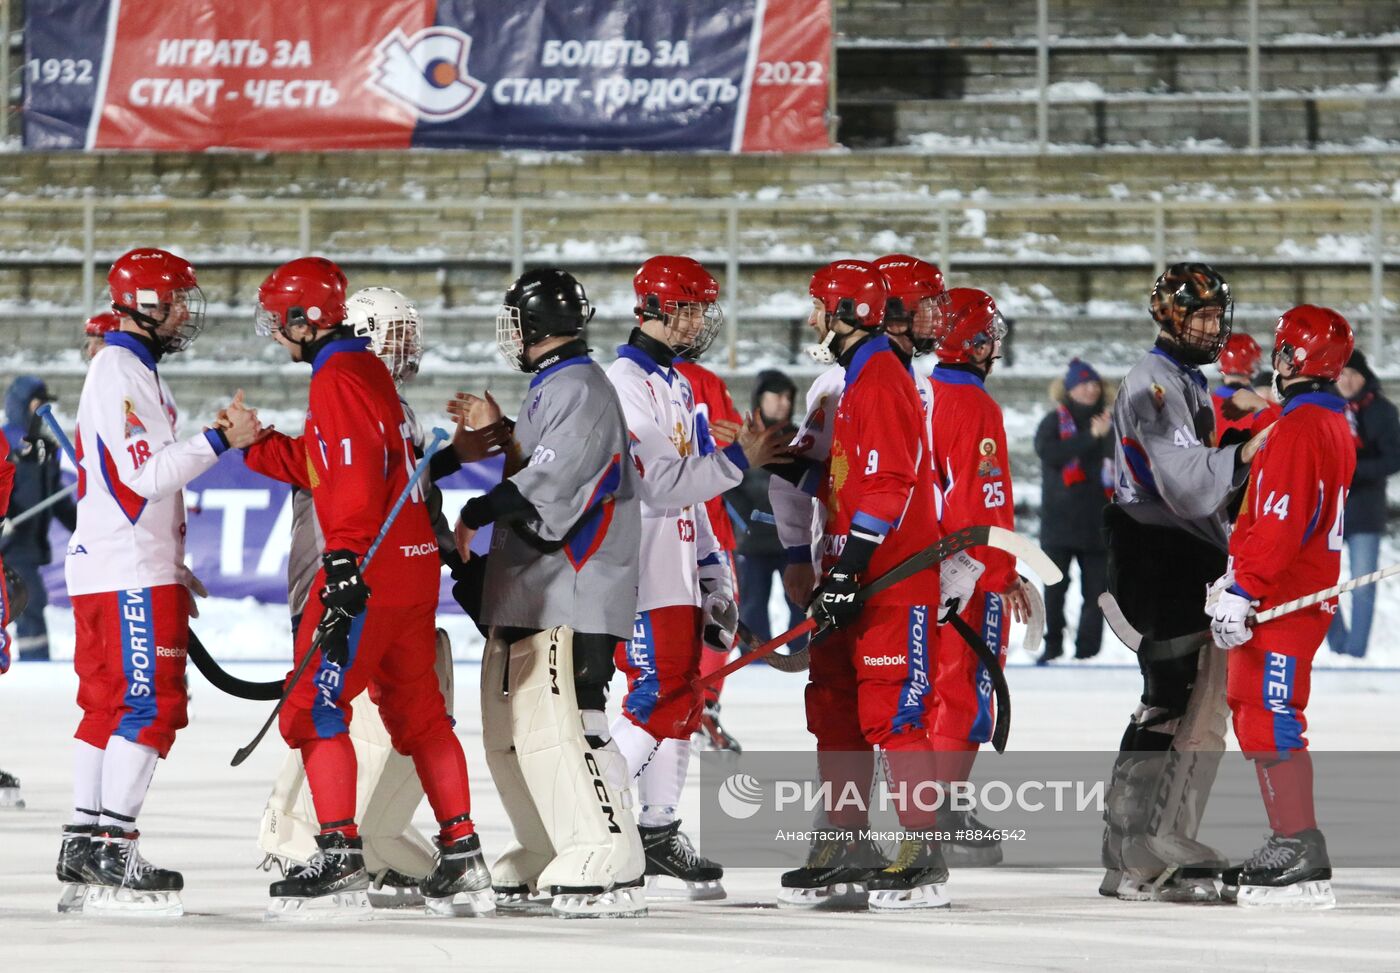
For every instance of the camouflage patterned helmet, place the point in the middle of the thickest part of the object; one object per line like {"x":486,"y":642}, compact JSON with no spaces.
{"x":1181,"y":291}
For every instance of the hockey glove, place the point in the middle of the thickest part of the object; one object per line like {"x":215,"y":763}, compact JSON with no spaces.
{"x":344,"y":596}
{"x":1229,"y":619}
{"x":957,"y":580}
{"x":837,"y":601}
{"x":718,"y":609}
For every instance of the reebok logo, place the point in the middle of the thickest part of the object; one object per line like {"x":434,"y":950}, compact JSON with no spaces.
{"x":885,"y":660}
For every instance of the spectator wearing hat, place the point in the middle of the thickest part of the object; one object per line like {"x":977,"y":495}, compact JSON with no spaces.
{"x":1375,"y":427}
{"x":26,"y":547}
{"x":1076,"y":457}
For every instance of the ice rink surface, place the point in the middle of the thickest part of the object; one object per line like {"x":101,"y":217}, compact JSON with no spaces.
{"x":202,"y":818}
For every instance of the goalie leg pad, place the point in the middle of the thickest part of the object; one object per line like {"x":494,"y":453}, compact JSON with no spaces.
{"x":516,"y":873}
{"x":579,"y":792}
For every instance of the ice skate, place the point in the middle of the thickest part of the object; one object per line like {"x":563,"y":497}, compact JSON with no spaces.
{"x":72,"y":854}
{"x":1181,"y":885}
{"x":625,"y":900}
{"x":971,"y":843}
{"x":9,"y":792}
{"x":121,"y":882}
{"x":712,"y":735}
{"x":1287,"y":873}
{"x":674,"y":870}
{"x":916,"y":879}
{"x":332,"y":886}
{"x":460,"y":885}
{"x":392,"y":889}
{"x":838,"y":867}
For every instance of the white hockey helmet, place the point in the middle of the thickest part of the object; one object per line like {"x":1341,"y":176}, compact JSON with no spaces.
{"x":390,"y":322}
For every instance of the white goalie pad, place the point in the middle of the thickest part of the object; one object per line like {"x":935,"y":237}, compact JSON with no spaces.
{"x":387,"y":791}
{"x":579,"y":794}
{"x":530,"y":851}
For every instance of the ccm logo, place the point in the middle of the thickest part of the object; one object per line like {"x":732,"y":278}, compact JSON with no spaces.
{"x":418,"y":550}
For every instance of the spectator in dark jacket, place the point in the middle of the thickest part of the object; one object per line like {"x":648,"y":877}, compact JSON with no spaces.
{"x":26,"y":544}
{"x":760,"y":553}
{"x":1375,"y":427}
{"x":1076,"y":477}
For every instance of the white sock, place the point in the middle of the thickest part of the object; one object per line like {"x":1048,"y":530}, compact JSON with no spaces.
{"x":662,"y":781}
{"x":87,"y":782}
{"x":126,"y":776}
{"x":635,"y":744}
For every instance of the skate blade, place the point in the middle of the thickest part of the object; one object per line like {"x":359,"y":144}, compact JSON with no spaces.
{"x":628,"y":903}
{"x":9,"y":798}
{"x":968,"y":856}
{"x":463,"y":904}
{"x":352,"y":906}
{"x":1187,"y":891}
{"x":842,"y":896}
{"x":1302,"y":895}
{"x":103,"y":900}
{"x":70,"y":900}
{"x":904,"y":900}
{"x":522,"y":903}
{"x":395,"y":898}
{"x":665,"y":888}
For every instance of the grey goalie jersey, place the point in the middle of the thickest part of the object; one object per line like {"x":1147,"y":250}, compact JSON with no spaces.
{"x":575,"y":562}
{"x":1168,"y":473}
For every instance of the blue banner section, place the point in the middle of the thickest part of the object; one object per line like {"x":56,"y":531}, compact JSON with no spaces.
{"x":576,"y":74}
{"x":64,"y":53}
{"x":239,"y":527}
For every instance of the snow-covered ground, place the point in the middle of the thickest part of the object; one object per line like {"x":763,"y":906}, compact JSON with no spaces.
{"x":202,"y":817}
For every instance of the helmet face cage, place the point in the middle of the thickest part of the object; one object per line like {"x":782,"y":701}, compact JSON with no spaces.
{"x":510,"y":337}
{"x":178,"y":315}
{"x":399,"y":344}
{"x":1193,"y":336}
{"x":929,"y":322}
{"x":691,"y":326}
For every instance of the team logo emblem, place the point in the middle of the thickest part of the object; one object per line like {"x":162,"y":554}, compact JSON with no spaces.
{"x":134,"y":425}
{"x":428,"y":72}
{"x":987,"y":465}
{"x":1159,"y":397}
{"x":840,"y":466}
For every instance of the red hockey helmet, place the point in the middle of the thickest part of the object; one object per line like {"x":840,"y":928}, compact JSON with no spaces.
{"x":853,"y":291}
{"x":684,"y":296}
{"x":308,"y":290}
{"x":973,"y":323}
{"x":158,"y":291}
{"x":1241,"y":356}
{"x":917,"y":296}
{"x":101,"y":323}
{"x":1315,"y":341}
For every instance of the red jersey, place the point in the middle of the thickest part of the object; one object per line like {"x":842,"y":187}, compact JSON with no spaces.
{"x":712,"y":401}
{"x":973,"y":466}
{"x":1250,"y":424}
{"x":356,"y":456}
{"x":1288,"y":539}
{"x":877,"y":472}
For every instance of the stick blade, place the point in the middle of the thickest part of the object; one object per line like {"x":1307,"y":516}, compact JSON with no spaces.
{"x":1118,"y":622}
{"x":1024,"y":550}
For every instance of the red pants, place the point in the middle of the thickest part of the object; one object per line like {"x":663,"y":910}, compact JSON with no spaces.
{"x":663,"y":657}
{"x":394,"y":647}
{"x":870,"y":685}
{"x":130,"y":660}
{"x":1269,"y":679}
{"x":962,"y":687}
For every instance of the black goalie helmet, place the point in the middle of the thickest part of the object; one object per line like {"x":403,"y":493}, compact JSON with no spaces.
{"x":542,"y":303}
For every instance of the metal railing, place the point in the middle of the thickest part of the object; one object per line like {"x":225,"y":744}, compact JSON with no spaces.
{"x":939,"y":214}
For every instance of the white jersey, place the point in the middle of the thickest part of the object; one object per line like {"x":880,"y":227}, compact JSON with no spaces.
{"x":676,"y":477}
{"x":131,"y":474}
{"x":799,"y":518}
